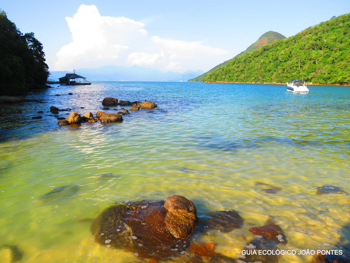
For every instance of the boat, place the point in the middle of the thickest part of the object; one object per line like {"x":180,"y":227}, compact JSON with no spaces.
{"x":297,"y":85}
{"x":73,"y":79}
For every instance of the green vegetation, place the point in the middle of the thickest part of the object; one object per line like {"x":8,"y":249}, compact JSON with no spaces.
{"x":265,"y":39}
{"x":22,"y":60}
{"x":319,"y":54}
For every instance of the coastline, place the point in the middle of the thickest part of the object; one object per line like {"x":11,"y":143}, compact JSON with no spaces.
{"x":98,"y":166}
{"x":273,"y":83}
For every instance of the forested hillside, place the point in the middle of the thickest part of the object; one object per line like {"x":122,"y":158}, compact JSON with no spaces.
{"x":319,"y":54}
{"x":22,"y":60}
{"x":267,"y":38}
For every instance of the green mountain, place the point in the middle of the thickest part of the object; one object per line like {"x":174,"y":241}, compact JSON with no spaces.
{"x":265,"y":39}
{"x":319,"y":54}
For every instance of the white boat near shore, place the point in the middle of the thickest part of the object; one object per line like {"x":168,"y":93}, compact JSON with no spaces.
{"x":297,"y":86}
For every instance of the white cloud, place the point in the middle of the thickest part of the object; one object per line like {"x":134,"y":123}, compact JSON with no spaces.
{"x":100,"y":40}
{"x":144,"y":59}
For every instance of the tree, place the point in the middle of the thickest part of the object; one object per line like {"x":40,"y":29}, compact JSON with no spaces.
{"x":22,"y":60}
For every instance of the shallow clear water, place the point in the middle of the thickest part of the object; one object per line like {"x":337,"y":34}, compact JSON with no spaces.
{"x":208,"y":142}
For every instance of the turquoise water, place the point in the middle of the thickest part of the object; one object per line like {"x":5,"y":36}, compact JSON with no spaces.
{"x":211,"y":143}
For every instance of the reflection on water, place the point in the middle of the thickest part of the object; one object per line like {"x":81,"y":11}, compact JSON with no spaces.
{"x":255,"y":149}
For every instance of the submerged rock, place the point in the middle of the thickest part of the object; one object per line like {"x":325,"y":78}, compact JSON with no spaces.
{"x":268,"y":188}
{"x":60,"y":192}
{"x":108,"y":175}
{"x":63,"y":122}
{"x":195,"y":259}
{"x":203,"y":249}
{"x":152,"y":229}
{"x":9,"y":253}
{"x":108,"y":101}
{"x":268,"y":236}
{"x":220,"y":258}
{"x":334,"y":257}
{"x":224,"y":221}
{"x":270,"y":231}
{"x":257,"y":245}
{"x":330,"y":189}
{"x":216,"y":258}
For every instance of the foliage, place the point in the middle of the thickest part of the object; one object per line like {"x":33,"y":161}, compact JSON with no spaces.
{"x":319,"y":54}
{"x":267,"y":38}
{"x":22,"y":60}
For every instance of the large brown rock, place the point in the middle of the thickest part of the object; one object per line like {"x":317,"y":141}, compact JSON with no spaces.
{"x":74,"y":118}
{"x":148,"y":105}
{"x":181,"y":217}
{"x":109,"y":117}
{"x":147,"y":227}
{"x":108,"y":101}
{"x":63,"y":122}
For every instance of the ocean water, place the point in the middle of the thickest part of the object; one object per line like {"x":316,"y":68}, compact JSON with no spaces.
{"x":215,"y":144}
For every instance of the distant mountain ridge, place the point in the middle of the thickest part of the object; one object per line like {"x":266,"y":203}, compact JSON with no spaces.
{"x":319,"y":54}
{"x":266,"y":39}
{"x":134,"y":73}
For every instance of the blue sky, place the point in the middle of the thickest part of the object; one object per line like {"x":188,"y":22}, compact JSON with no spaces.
{"x":167,"y":35}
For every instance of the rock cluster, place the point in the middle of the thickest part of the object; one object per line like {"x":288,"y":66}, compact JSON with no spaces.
{"x":268,"y":237}
{"x":152,"y":229}
{"x":159,"y":230}
{"x":162,"y":229}
{"x":108,"y":101}
{"x":76,"y":118}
